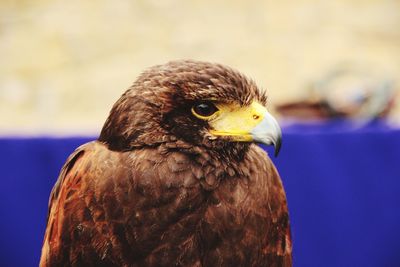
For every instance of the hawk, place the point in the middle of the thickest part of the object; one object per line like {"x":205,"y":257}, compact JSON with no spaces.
{"x":176,"y":178}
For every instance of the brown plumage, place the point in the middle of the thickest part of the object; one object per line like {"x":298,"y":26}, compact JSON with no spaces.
{"x":158,"y":189}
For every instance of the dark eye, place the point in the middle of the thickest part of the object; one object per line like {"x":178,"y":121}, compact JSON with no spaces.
{"x":205,"y":109}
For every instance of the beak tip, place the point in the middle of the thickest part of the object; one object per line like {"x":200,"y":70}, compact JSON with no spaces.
{"x":268,"y":132}
{"x":277,"y":147}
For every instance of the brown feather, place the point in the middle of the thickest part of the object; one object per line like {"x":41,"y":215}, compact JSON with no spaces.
{"x":152,"y":196}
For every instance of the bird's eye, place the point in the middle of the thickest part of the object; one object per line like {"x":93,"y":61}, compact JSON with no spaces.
{"x":204,"y":109}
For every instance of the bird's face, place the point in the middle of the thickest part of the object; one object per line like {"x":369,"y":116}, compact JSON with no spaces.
{"x":200,"y":103}
{"x":233,"y":122}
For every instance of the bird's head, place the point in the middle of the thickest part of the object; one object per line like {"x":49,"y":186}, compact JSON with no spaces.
{"x":199,"y":103}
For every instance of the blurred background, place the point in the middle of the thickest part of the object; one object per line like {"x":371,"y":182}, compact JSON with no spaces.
{"x":331,"y":68}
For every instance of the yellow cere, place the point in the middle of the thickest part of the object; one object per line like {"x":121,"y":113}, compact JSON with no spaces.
{"x":236,"y":121}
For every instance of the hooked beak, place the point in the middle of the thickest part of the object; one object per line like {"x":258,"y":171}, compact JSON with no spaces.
{"x":247,"y":124}
{"x":268,"y":132}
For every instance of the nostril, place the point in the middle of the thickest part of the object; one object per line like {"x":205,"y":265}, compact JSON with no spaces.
{"x":256,"y":117}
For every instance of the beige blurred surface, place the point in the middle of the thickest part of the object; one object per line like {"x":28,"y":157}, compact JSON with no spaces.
{"x":64,"y":63}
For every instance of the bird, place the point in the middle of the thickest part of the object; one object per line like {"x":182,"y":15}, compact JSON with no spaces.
{"x":175,"y":178}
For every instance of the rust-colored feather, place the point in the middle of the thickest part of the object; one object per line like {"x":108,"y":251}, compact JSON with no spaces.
{"x":153,"y":191}
{"x":142,"y":209}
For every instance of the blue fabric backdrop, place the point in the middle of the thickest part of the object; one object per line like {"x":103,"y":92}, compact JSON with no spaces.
{"x":342,"y":184}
